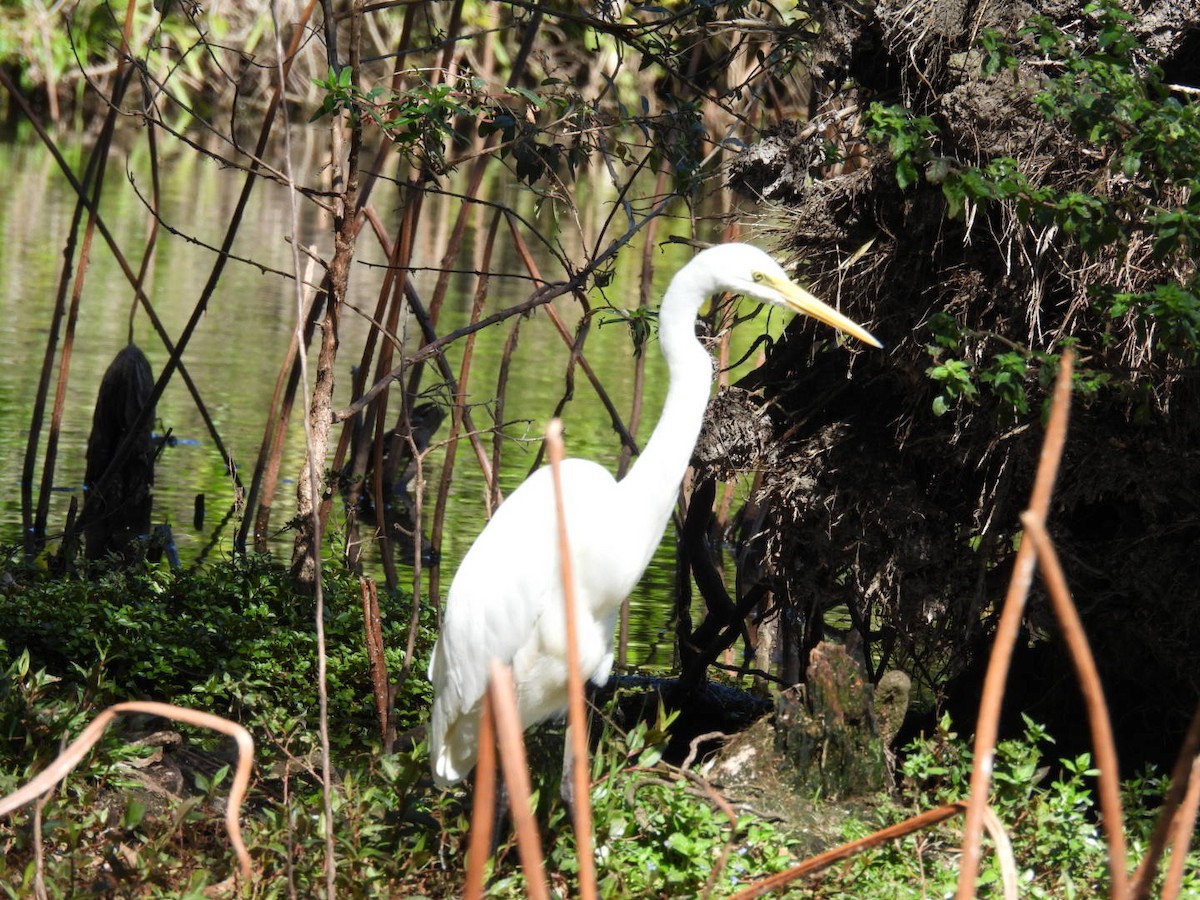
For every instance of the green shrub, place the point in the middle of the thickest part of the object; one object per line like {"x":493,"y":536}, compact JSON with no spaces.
{"x":234,"y":639}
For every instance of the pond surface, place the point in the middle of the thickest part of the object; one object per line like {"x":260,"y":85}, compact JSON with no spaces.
{"x":235,"y":354}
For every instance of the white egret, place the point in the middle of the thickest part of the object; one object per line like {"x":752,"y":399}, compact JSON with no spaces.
{"x":506,"y":599}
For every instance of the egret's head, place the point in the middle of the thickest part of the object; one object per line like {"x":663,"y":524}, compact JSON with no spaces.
{"x":746,"y":270}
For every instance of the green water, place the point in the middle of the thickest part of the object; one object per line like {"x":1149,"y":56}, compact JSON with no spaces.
{"x":236,"y":352}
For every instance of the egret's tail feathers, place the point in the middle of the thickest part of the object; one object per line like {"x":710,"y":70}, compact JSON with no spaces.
{"x":453,"y":746}
{"x":448,"y":772}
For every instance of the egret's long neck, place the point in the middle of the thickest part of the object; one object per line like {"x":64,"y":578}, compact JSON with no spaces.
{"x":652,"y":484}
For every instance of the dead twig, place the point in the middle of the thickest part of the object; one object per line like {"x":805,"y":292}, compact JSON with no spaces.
{"x":573,"y":343}
{"x":376,"y":663}
{"x":1183,"y":828}
{"x":1143,"y":878}
{"x":307,"y":554}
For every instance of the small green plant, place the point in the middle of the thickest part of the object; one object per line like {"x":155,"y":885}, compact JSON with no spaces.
{"x":640,"y":322}
{"x":656,"y":832}
{"x":907,"y":136}
{"x":1046,"y":805}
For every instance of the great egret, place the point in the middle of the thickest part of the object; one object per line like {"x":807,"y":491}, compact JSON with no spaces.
{"x":506,"y":599}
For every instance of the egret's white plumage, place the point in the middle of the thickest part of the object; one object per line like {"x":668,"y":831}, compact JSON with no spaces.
{"x":506,"y":599}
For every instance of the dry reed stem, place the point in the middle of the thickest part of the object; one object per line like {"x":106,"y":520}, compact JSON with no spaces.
{"x":1183,"y":827}
{"x":988,"y":723}
{"x":1004,"y":853}
{"x":39,"y":849}
{"x":1143,"y":878}
{"x":70,"y":757}
{"x":516,"y":776}
{"x":260,"y":499}
{"x":483,"y":809}
{"x":353,"y":435}
{"x":1109,"y":781}
{"x":399,"y":262}
{"x":576,"y":717}
{"x":824,"y":860}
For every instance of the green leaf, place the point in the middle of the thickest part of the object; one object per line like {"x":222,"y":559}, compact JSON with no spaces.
{"x":534,"y":99}
{"x":135,"y":812}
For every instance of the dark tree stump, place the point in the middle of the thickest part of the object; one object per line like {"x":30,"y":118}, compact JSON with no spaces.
{"x":117,"y":504}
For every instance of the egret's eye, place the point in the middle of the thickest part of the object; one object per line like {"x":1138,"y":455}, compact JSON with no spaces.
{"x":758,"y":277}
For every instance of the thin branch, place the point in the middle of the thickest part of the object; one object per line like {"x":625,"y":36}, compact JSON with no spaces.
{"x":539,"y":297}
{"x":1143,"y":878}
{"x":263,"y":268}
{"x":1184,"y":828}
{"x":433,"y":348}
{"x":313,"y":474}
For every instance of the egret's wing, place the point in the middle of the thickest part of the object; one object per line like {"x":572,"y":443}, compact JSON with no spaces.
{"x":507,"y":581}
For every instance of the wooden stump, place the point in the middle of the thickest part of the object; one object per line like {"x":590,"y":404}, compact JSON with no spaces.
{"x":827,"y":728}
{"x":116,"y":510}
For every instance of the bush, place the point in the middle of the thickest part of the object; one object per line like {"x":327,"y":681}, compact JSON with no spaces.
{"x":235,"y":640}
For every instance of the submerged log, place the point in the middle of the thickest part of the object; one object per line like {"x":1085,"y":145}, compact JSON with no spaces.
{"x":117,"y":504}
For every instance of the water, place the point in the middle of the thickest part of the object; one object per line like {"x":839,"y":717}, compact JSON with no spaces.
{"x":241,"y":341}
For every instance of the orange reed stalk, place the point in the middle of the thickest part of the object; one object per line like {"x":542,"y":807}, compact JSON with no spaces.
{"x":516,"y":776}
{"x":1109,"y":782}
{"x":988,"y":724}
{"x":576,"y":719}
{"x":483,"y":810}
